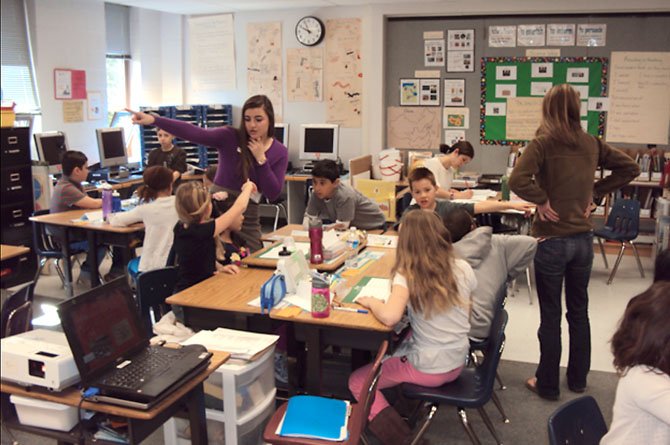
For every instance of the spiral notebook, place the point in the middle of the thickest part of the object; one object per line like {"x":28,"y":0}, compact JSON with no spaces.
{"x":315,"y":417}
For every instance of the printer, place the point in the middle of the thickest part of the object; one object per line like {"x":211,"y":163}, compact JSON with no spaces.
{"x":39,"y":357}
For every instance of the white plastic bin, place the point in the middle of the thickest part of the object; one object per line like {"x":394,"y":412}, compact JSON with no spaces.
{"x":43,"y":414}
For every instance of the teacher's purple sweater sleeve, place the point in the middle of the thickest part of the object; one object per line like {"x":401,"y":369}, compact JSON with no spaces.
{"x":270,"y":176}
{"x":219,"y":137}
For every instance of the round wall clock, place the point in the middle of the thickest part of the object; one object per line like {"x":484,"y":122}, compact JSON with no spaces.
{"x":309,"y":31}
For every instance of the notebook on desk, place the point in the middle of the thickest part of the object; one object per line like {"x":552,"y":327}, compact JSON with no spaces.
{"x":111,"y":349}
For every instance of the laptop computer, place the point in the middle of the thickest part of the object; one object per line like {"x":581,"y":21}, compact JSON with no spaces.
{"x":111,"y":349}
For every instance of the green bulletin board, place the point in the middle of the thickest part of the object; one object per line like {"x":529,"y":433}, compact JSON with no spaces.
{"x":493,"y":128}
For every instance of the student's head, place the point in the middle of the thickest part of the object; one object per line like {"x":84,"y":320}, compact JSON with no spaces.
{"x":210,"y":174}
{"x":425,"y":258}
{"x":193,"y":202}
{"x":662,"y":266}
{"x":157,"y":179}
{"x":461,"y":153}
{"x":561,"y":114}
{"x":165,"y":139}
{"x":258,"y":122}
{"x":459,"y":223}
{"x":325,"y":178}
{"x":423,"y":187}
{"x":643,"y":337}
{"x":222,"y":207}
{"x":75,"y":165}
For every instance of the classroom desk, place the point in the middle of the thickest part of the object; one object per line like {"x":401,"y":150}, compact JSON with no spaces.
{"x":129,"y":183}
{"x":96,"y":233}
{"x":141,"y":423}
{"x":10,"y":261}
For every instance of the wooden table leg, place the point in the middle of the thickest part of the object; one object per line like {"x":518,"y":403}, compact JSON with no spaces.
{"x":313,"y":346}
{"x":67,"y":262}
{"x":196,"y":415}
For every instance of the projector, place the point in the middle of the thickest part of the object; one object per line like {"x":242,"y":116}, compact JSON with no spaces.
{"x":38,"y":357}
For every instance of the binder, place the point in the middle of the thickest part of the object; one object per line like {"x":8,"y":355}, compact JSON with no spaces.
{"x":315,"y":417}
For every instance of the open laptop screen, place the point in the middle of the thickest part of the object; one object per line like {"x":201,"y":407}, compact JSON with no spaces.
{"x":102,"y":327}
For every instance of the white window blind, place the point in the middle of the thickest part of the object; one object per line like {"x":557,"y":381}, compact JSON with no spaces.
{"x":117,"y":29}
{"x":16,"y":74}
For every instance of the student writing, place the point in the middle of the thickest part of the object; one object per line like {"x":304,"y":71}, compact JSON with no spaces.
{"x":435,"y":288}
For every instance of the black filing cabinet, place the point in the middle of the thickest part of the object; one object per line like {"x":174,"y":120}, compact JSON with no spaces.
{"x":16,"y":196}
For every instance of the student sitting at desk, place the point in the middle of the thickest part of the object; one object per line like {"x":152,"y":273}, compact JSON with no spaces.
{"x":159,"y":216}
{"x":424,"y":190}
{"x":230,"y":247}
{"x":168,"y":155}
{"x":495,"y":259}
{"x":435,"y":288}
{"x":340,"y":204}
{"x":68,"y":194}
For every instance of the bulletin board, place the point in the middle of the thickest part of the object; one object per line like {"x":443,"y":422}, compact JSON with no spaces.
{"x":493,"y":127}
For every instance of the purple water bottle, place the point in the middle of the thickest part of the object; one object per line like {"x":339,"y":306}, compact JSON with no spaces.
{"x":315,"y":241}
{"x":106,"y":202}
{"x":320,"y":296}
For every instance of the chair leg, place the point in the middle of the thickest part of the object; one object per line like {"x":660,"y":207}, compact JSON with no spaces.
{"x":637,"y":257}
{"x":489,"y":424}
{"x":60,"y":273}
{"x":496,"y":402}
{"x":468,"y":428}
{"x":43,"y":261}
{"x":602,"y":252}
{"x":425,"y":424}
{"x":616,"y":264}
{"x":276,"y":217}
{"x":500,"y":382}
{"x":530,"y":286}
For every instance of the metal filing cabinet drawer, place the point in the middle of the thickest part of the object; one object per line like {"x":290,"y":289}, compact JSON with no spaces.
{"x":15,"y":143}
{"x":16,"y":184}
{"x":15,"y":216}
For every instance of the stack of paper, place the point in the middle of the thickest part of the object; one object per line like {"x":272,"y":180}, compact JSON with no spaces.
{"x":315,"y":417}
{"x":389,"y":241}
{"x":240,"y":344}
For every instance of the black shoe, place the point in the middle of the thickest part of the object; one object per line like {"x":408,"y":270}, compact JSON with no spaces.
{"x":578,"y":390}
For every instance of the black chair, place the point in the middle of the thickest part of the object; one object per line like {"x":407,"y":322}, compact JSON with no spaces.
{"x":277,"y":205}
{"x":472,"y":389}
{"x":153,"y":287}
{"x":578,"y":421}
{"x":47,"y":248}
{"x":623,"y":223}
{"x":17,"y":312}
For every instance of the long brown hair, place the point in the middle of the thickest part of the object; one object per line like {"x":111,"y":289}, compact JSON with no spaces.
{"x":247,"y":158}
{"x":643,"y":337}
{"x":156,"y":179}
{"x":561,"y":115}
{"x":192,"y":202}
{"x":425,"y":257}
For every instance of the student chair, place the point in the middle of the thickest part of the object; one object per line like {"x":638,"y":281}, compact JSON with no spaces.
{"x":17,"y":312}
{"x":153,"y":287}
{"x":277,"y":205}
{"x":358,"y":418}
{"x":472,"y":389}
{"x":47,"y":248}
{"x":578,"y":421}
{"x":622,"y":226}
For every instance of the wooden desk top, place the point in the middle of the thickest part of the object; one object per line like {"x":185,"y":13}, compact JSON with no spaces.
{"x":7,"y":251}
{"x":71,"y":396}
{"x":288,"y":229}
{"x":65,"y":219}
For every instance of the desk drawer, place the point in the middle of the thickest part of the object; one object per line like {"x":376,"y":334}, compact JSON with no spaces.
{"x":15,"y":216}
{"x":15,"y":143}
{"x":16,"y":184}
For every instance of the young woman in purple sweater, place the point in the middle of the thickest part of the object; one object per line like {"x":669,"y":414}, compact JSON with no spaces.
{"x":247,"y":153}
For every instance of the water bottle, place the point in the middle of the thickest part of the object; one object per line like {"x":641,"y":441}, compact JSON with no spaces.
{"x":351,"y":261}
{"x":320,"y":296}
{"x":504,"y":188}
{"x":116,"y":202}
{"x":315,"y":241}
{"x":106,"y":202}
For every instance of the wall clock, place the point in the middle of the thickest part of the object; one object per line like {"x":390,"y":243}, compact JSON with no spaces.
{"x":309,"y":31}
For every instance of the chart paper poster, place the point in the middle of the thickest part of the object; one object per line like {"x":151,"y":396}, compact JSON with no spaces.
{"x":591,"y":35}
{"x":344,"y":72}
{"x":523,"y":117}
{"x":413,"y":127}
{"x":562,"y":34}
{"x":73,"y":111}
{"x":264,"y":63}
{"x":212,"y":53}
{"x":530,"y":35}
{"x":69,"y":84}
{"x":502,"y":36}
{"x":304,"y":72}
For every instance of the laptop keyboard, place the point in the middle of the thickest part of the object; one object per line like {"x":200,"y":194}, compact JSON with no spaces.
{"x":150,"y":364}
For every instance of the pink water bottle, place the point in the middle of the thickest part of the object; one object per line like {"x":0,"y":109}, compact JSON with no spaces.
{"x":106,"y":203}
{"x":315,"y":241}
{"x":320,"y":296}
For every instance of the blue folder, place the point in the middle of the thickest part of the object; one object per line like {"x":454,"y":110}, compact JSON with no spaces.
{"x":316,"y":418}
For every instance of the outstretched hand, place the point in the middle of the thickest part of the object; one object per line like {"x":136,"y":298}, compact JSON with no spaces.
{"x":141,"y":118}
{"x":250,"y":184}
{"x":547,"y":213}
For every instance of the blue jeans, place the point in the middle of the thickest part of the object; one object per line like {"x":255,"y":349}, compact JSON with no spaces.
{"x":569,"y":258}
{"x":83,"y":245}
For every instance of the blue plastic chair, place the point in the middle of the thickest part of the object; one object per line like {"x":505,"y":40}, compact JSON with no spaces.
{"x":578,"y":422}
{"x":622,"y":225}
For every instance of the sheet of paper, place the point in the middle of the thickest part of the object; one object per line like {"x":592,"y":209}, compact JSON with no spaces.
{"x":238,"y":343}
{"x":383,"y":241}
{"x":273,"y":254}
{"x":379,"y":288}
{"x":299,"y":233}
{"x":523,"y":117}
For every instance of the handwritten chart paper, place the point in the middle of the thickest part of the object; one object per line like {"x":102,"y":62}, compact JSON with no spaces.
{"x":344,"y":72}
{"x":304,"y":72}
{"x":639,"y":98}
{"x":523,"y":117}
{"x":413,"y":127}
{"x":212,"y":53}
{"x":264,"y":66}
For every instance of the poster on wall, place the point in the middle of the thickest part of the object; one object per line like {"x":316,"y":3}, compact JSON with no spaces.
{"x":460,"y":61}
{"x":542,"y":69}
{"x":591,"y":34}
{"x":409,"y":91}
{"x":460,"y":39}
{"x":69,"y":84}
{"x":530,"y":35}
{"x":94,"y":105}
{"x":561,"y":34}
{"x":453,"y":136}
{"x":430,"y":92}
{"x":264,"y":63}
{"x":73,"y":111}
{"x":413,"y":127}
{"x":212,"y":65}
{"x":502,"y":36}
{"x":433,"y":52}
{"x":456,"y":118}
{"x":454,"y":92}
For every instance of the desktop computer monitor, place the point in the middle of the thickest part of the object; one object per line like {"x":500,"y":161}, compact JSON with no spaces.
{"x":319,"y":141}
{"x":281,"y":133}
{"x":112,"y":148}
{"x":50,"y":148}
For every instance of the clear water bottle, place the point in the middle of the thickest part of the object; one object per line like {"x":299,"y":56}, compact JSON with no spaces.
{"x":351,"y":261}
